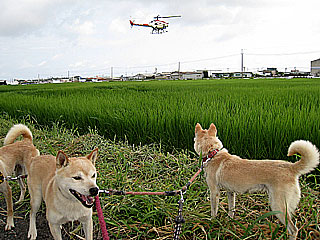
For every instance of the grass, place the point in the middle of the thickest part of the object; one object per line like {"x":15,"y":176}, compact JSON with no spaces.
{"x":125,"y":166}
{"x":255,"y":118}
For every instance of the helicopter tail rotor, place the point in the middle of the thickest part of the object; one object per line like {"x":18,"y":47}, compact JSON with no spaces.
{"x":131,"y":23}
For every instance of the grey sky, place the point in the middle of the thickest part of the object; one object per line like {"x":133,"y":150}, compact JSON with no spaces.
{"x":52,"y":37}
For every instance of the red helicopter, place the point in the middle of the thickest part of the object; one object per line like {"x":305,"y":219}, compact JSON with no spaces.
{"x":158,"y":26}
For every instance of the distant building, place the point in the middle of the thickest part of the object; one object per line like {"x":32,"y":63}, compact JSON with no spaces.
{"x":242,"y":74}
{"x":192,"y":75}
{"x":56,"y":80}
{"x":187,"y":75}
{"x":298,"y":73}
{"x":163,"y":76}
{"x":270,"y":72}
{"x":176,"y":75}
{"x":14,"y":82}
{"x":315,"y":67}
{"x":139,"y":76}
{"x":220,"y":75}
{"x":232,"y":75}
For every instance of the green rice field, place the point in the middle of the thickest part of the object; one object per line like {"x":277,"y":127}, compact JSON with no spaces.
{"x":144,"y":132}
{"x":255,"y":118}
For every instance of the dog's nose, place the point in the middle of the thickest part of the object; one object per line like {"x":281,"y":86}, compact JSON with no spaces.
{"x":94,"y":191}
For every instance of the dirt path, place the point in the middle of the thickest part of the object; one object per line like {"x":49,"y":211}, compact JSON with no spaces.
{"x":20,"y":231}
{"x":21,"y":222}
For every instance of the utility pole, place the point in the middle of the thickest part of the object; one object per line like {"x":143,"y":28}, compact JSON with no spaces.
{"x":241,"y":62}
{"x":111,"y":73}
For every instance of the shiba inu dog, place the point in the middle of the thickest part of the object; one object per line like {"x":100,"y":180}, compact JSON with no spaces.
{"x":279,"y":178}
{"x":67,"y":185}
{"x":12,"y":159}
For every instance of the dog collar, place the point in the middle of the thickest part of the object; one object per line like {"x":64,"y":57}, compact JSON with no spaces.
{"x":210,"y":156}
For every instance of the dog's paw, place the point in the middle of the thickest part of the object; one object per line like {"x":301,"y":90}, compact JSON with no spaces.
{"x":32,"y":234}
{"x":213,"y":216}
{"x":231,"y":214}
{"x":9,"y":225}
{"x":21,"y":199}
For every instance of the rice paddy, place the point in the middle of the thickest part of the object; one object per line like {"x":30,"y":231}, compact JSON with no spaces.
{"x":255,"y":118}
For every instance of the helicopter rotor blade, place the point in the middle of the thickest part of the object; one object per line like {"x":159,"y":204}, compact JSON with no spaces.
{"x":175,"y":16}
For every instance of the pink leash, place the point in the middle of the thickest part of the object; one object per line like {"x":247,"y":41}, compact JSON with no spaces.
{"x":104,"y":231}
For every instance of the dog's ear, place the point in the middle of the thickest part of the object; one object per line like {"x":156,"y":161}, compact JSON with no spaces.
{"x":212,"y":130}
{"x":93,"y":156}
{"x":198,"y":128}
{"x":62,"y":159}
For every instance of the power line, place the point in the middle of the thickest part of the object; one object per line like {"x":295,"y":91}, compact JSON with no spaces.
{"x":208,"y":59}
{"x":282,"y":54}
{"x":174,"y":63}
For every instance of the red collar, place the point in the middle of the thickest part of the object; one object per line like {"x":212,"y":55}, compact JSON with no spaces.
{"x":210,"y":156}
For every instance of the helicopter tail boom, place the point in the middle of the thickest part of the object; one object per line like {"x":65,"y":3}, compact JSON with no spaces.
{"x":139,"y":24}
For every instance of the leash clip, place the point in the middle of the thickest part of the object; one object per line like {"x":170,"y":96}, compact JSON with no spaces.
{"x":205,"y":162}
{"x":181,"y":194}
{"x":104,"y":191}
{"x":9,"y":178}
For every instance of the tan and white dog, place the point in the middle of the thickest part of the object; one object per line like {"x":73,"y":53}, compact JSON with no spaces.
{"x":13,"y":156}
{"x":279,"y":178}
{"x":67,"y":186}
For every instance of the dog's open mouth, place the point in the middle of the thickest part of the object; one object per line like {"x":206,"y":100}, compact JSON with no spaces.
{"x":86,"y":201}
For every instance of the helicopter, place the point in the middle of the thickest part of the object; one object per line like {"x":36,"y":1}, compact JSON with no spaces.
{"x":158,"y":26}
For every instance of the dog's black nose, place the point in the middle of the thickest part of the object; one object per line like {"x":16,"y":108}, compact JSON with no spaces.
{"x":94,"y":191}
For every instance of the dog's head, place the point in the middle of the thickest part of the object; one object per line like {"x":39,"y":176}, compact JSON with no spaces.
{"x":76,"y":177}
{"x":206,"y":140}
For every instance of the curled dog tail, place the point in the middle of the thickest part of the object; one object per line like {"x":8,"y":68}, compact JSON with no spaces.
{"x":309,"y":156}
{"x":16,"y":131}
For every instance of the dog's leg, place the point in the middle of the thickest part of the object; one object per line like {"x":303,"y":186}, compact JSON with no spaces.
{"x":231,"y":203}
{"x":55,"y":231}
{"x":22,"y":190}
{"x":292,"y":229}
{"x":6,"y":189}
{"x":88,"y":228}
{"x":19,"y":171}
{"x":35,"y":202}
{"x":214,"y":199}
{"x":278,"y":203}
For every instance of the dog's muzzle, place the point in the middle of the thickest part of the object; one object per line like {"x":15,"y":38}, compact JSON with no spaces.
{"x":94,"y":191}
{"x":87,"y":201}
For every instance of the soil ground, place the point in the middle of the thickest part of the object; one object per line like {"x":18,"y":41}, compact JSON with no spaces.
{"x":21,"y":222}
{"x":20,"y":231}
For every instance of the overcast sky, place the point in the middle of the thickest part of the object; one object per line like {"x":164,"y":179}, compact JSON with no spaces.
{"x":88,"y":37}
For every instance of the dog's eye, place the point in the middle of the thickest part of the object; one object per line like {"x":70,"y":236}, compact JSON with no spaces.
{"x":77,"y":178}
{"x":94,"y":175}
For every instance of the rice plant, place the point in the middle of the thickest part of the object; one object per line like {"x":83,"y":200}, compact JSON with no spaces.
{"x":255,"y":118}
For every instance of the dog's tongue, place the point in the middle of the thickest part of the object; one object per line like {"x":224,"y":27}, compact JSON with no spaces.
{"x":87,"y":199}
